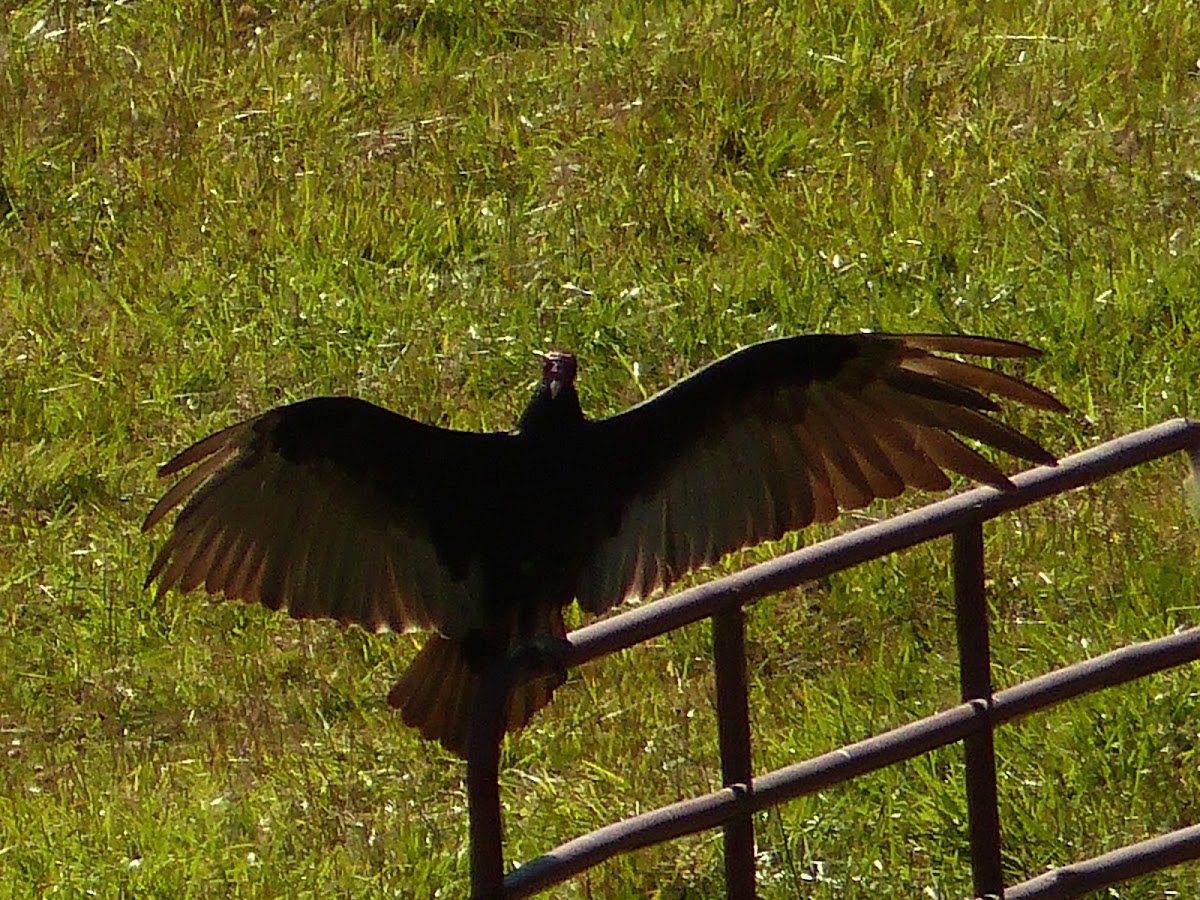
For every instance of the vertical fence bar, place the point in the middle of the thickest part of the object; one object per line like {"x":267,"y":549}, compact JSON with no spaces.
{"x":975,"y":675}
{"x":733,"y":724}
{"x":483,"y":782}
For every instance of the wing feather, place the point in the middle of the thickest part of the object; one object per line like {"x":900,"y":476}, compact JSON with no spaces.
{"x":851,"y":488}
{"x":820,"y":482}
{"x":364,"y":584}
{"x":792,"y":476}
{"x":245,"y":579}
{"x":950,"y":453}
{"x":203,"y":547}
{"x":224,"y":557}
{"x":184,"y":487}
{"x":991,"y":381}
{"x":870,"y":456}
{"x":219,"y":444}
{"x":968,"y":345}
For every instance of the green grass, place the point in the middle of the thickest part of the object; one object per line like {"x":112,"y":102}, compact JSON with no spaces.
{"x":210,"y":208}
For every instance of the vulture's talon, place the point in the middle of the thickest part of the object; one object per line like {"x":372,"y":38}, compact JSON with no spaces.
{"x":546,"y":655}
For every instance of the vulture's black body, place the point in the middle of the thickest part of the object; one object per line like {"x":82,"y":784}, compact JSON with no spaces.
{"x":334,"y":507}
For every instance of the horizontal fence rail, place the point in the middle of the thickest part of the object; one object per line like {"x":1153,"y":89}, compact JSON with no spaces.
{"x":1081,"y":878}
{"x":971,"y":722}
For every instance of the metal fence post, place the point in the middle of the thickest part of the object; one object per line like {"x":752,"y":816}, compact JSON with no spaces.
{"x":733,"y":725}
{"x":483,"y":781}
{"x":975,"y":674}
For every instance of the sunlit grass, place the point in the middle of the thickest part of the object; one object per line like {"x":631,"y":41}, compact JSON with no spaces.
{"x":207,"y":209}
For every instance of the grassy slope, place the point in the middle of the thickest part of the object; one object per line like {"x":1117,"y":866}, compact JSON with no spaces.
{"x":212,"y":208}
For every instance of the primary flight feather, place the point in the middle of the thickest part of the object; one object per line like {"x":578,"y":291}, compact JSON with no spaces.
{"x":333,"y":507}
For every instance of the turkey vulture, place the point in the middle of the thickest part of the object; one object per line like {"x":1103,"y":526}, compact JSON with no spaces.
{"x":333,"y":507}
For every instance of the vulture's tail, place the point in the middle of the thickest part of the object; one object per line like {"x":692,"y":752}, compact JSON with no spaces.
{"x":437,"y":692}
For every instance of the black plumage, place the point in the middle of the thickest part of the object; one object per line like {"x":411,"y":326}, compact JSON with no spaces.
{"x":337,"y":508}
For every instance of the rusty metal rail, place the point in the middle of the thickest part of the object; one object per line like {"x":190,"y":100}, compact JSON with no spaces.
{"x":973,"y":722}
{"x":821,"y":772}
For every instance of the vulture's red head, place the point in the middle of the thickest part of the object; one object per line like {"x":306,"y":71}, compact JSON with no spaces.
{"x":558,"y":371}
{"x":555,"y":406}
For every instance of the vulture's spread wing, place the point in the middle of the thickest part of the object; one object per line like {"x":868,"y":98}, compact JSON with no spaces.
{"x":337,"y":508}
{"x":784,"y":433}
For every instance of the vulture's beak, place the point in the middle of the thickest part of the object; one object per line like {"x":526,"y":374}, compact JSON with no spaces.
{"x":555,"y":388}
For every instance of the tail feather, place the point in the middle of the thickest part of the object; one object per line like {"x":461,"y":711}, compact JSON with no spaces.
{"x":436,"y":695}
{"x":434,"y":691}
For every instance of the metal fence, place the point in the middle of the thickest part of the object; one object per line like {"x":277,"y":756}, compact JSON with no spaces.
{"x":972,"y":722}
